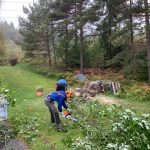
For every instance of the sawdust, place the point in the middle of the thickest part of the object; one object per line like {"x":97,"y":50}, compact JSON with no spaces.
{"x":108,"y":100}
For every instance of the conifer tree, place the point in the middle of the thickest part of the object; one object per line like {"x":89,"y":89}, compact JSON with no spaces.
{"x":36,"y":29}
{"x":147,"y":36}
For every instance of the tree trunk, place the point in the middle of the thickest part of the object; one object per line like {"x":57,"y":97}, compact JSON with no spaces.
{"x":48,"y":51}
{"x":81,"y":38}
{"x":47,"y":37}
{"x":66,"y":37}
{"x":109,"y":31}
{"x":131,"y":23}
{"x":147,"y":36}
{"x":53,"y":43}
{"x":75,"y":24}
{"x":49,"y":57}
{"x":81,"y":49}
{"x":109,"y":41}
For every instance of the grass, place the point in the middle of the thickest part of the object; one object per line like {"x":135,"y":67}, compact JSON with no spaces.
{"x":139,"y":107}
{"x":24,"y":82}
{"x":136,"y":94}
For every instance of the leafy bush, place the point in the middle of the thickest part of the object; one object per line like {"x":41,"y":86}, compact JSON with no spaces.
{"x":112,"y":128}
{"x":27,"y":126}
{"x":133,"y":64}
{"x":6,"y":132}
{"x":117,"y":61}
{"x":3,"y":61}
{"x":39,"y":89}
{"x":8,"y":94}
{"x":136,"y":66}
{"x":131,"y":132}
{"x":125,"y":133}
{"x":13,"y":61}
{"x":138,"y":70}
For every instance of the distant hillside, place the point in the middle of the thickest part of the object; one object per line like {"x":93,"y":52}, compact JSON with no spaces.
{"x":10,"y":32}
{"x":2,"y":43}
{"x":13,"y":50}
{"x":10,"y":43}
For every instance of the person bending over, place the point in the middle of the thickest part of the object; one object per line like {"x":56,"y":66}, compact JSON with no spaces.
{"x":59,"y":97}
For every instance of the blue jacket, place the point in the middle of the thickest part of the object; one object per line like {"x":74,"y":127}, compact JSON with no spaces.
{"x":59,"y":97}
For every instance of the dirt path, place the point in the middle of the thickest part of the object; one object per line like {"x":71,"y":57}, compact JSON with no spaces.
{"x":109,"y":100}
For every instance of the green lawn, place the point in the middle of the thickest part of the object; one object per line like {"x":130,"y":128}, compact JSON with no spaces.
{"x":30,"y":110}
{"x":24,"y":83}
{"x":140,"y":107}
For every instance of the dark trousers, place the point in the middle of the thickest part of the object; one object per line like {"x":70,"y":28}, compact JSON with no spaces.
{"x":54,"y":113}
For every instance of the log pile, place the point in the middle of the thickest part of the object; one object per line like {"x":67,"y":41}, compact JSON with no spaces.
{"x":91,"y":88}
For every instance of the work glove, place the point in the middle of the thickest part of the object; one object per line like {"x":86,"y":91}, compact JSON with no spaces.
{"x":69,"y":110}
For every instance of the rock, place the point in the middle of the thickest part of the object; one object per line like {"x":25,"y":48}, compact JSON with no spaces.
{"x":80,"y":77}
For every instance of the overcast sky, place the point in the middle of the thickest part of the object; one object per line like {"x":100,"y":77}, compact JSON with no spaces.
{"x":11,"y":9}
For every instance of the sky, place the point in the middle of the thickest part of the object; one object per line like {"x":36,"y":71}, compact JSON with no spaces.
{"x":12,"y":9}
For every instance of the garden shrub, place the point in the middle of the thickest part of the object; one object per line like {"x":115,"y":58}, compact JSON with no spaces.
{"x":136,"y":65}
{"x":131,"y":131}
{"x":117,"y":61}
{"x":112,"y":129}
{"x":133,"y":64}
{"x":137,"y":70}
{"x":13,"y":61}
{"x":6,"y":132}
{"x":3,"y":61}
{"x":8,"y":94}
{"x":27,"y":126}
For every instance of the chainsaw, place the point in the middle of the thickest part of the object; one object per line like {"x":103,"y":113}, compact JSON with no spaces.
{"x":68,"y":116}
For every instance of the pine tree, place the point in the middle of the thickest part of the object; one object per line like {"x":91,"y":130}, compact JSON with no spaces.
{"x":147,"y":35}
{"x":36,"y":29}
{"x":85,"y":13}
